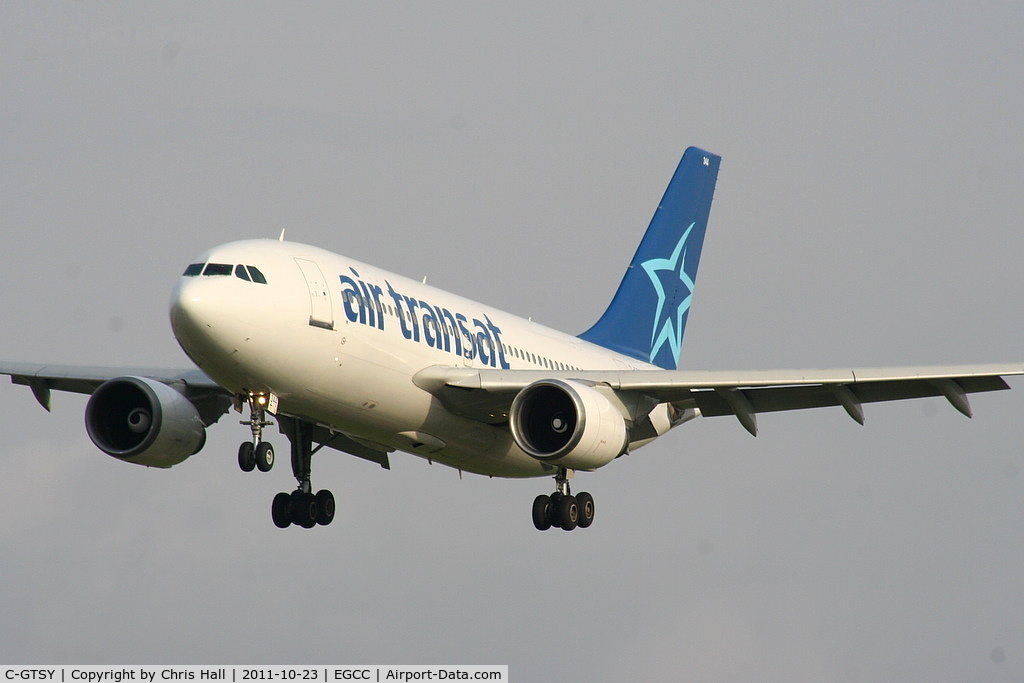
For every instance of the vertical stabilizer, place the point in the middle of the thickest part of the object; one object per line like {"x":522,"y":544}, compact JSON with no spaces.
{"x":647,"y":316}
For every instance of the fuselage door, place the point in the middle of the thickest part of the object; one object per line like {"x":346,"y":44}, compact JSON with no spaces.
{"x":321,"y":312}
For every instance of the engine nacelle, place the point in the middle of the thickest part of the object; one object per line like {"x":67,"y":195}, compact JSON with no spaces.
{"x":143,"y":421}
{"x":567,"y":423}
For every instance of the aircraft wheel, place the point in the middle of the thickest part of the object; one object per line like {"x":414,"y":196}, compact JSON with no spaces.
{"x":264,"y":456}
{"x":324,"y":507}
{"x":568,"y":512}
{"x":303,"y":509}
{"x":585,"y":501}
{"x":542,"y":512}
{"x":247,"y":456}
{"x":280,"y":510}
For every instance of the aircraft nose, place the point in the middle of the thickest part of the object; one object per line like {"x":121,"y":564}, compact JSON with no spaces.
{"x":192,"y":318}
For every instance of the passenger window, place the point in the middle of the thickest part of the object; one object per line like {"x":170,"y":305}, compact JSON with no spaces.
{"x":257,"y":276}
{"x":193,"y":270}
{"x":240,"y":273}
{"x":218,"y":269}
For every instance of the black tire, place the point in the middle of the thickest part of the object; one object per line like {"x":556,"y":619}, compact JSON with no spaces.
{"x":303,"y":509}
{"x":585,"y":501}
{"x":280,"y":510}
{"x":568,"y":512}
{"x":247,"y":456}
{"x":542,"y":512}
{"x":324,"y":507}
{"x":264,"y":456}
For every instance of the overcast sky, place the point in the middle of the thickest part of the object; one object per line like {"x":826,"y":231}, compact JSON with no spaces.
{"x":868,"y":213}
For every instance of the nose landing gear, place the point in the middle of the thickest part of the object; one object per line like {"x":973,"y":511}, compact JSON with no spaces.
{"x":256,"y":454}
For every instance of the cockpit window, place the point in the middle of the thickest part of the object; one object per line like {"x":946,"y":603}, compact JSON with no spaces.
{"x":218,"y":269}
{"x":257,"y":276}
{"x":241,"y":271}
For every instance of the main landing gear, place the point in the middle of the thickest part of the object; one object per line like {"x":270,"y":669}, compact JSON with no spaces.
{"x":300,"y":507}
{"x":561,"y":508}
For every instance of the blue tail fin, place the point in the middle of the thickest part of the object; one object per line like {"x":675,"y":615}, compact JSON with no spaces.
{"x":647,"y":316}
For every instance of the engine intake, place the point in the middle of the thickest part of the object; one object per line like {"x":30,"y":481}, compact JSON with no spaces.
{"x":567,"y":423}
{"x":143,"y":421}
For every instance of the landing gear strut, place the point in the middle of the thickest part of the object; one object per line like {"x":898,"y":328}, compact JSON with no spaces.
{"x":256,"y":454}
{"x":302,"y":507}
{"x":562,"y":509}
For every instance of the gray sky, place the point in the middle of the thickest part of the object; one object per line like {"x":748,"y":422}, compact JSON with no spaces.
{"x":867,"y":213}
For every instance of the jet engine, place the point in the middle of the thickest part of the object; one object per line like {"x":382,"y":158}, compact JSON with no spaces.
{"x":568,"y":424}
{"x":143,"y":421}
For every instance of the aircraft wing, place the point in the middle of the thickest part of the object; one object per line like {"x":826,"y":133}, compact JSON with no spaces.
{"x":487,"y":394}
{"x":209,"y":398}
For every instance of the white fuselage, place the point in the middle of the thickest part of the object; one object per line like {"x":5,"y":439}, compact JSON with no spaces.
{"x":339,"y":342}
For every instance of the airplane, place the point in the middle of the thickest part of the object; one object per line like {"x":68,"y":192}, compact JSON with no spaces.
{"x":348,"y":356}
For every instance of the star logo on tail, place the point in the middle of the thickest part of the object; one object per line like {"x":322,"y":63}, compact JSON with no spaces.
{"x":675,"y":291}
